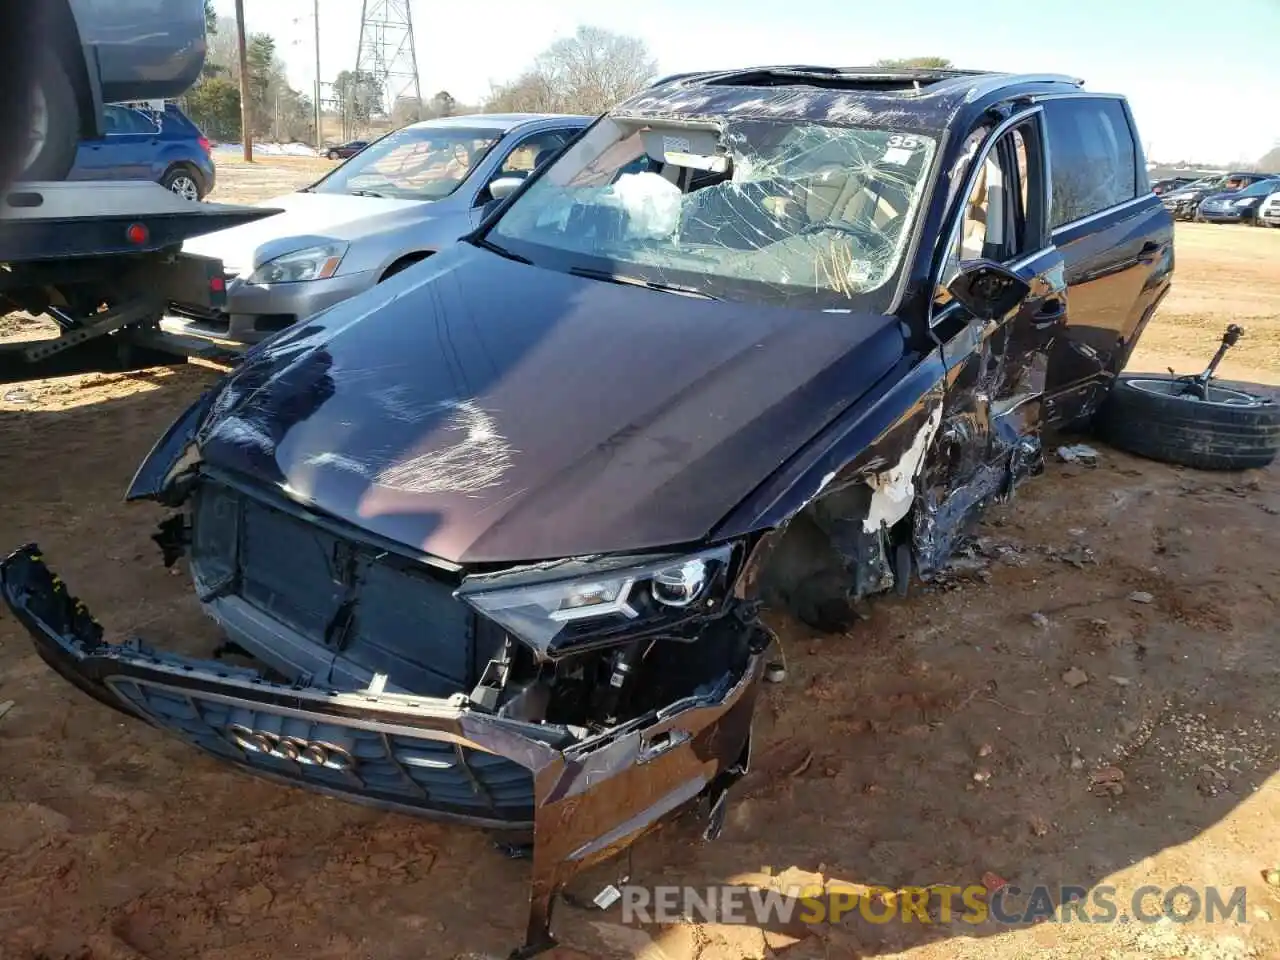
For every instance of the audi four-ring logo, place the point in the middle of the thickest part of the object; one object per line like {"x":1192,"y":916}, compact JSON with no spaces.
{"x":310,"y":753}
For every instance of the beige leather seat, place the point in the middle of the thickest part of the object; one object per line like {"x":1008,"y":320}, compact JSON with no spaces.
{"x":983,"y":226}
{"x":836,"y":194}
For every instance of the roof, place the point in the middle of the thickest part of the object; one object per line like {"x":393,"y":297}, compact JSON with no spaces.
{"x":916,"y":99}
{"x":496,"y":121}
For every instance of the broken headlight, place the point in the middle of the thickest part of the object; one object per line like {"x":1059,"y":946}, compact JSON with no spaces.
{"x":604,"y":601}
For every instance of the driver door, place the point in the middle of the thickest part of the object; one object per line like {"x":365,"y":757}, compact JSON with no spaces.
{"x":996,"y":369}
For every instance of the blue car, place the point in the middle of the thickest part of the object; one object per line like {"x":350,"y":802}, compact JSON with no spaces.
{"x":145,"y":144}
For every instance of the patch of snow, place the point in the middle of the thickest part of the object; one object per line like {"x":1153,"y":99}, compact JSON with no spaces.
{"x":269,"y":149}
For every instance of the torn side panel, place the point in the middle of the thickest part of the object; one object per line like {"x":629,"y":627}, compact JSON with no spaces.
{"x":988,"y":438}
{"x":894,"y":490}
{"x":846,"y":541}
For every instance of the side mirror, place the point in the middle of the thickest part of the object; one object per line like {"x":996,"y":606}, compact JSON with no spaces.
{"x":504,"y":187}
{"x":987,"y":289}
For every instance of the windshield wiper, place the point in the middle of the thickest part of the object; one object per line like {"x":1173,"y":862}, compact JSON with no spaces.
{"x":367,"y":193}
{"x":638,"y":282}
{"x":484,"y":243}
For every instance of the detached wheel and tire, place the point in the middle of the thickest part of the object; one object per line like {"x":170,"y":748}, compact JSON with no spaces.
{"x":183,"y":182}
{"x":1155,"y":416}
{"x":53,"y":126}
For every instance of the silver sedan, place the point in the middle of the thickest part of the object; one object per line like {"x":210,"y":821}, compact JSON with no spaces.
{"x":393,"y":204}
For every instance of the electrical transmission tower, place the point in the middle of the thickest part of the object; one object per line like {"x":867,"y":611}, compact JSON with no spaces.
{"x":387,"y":53}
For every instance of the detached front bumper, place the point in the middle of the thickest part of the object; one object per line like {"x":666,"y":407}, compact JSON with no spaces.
{"x":585,"y":799}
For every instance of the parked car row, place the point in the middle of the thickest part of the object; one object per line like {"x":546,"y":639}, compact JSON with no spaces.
{"x":1225,"y":198}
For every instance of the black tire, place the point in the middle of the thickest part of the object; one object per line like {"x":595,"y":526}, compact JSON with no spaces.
{"x":333,"y":155}
{"x":62,"y":123}
{"x":1214,"y":435}
{"x":181,"y":172}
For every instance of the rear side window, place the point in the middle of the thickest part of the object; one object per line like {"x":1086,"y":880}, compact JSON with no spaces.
{"x":179,"y":123}
{"x":1092,"y":158}
{"x":118,"y":121}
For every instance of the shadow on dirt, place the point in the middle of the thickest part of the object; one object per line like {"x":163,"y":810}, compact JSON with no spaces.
{"x":106,"y":355}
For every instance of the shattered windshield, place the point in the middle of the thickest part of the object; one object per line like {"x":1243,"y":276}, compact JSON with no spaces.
{"x":416,"y":163}
{"x":792,"y":212}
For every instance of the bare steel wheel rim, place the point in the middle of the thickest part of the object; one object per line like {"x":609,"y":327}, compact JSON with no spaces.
{"x":185,"y":187}
{"x":38,"y":127}
{"x":1222,"y":396}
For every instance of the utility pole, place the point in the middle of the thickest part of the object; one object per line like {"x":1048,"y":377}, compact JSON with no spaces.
{"x":246,"y":134}
{"x":319,"y":144}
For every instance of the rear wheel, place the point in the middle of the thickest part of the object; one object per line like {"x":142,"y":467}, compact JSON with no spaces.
{"x":182,"y":181}
{"x":1155,"y":416}
{"x":53,"y":127}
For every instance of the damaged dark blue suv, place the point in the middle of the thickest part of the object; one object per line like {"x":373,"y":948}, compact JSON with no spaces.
{"x":492,"y":539}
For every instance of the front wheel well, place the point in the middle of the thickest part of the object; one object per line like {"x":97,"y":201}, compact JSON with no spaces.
{"x":404,"y":262}
{"x":824,"y":562}
{"x":179,"y":165}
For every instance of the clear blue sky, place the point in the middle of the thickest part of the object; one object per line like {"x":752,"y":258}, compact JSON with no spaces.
{"x":1203,"y":78}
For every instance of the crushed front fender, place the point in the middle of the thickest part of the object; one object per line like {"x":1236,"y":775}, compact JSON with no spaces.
{"x":584,"y":798}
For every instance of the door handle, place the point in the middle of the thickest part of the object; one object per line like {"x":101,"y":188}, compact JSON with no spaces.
{"x":1051,"y":311}
{"x":1147,"y":254}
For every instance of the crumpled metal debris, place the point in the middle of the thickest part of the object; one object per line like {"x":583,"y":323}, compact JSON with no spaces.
{"x":1080,"y":453}
{"x":1078,"y":555}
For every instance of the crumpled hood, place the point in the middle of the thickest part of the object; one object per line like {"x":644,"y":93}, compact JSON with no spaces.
{"x":483,"y":410}
{"x":305,"y":220}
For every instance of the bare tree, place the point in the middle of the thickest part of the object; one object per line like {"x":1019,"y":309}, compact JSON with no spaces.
{"x":915,"y":63}
{"x":443,"y":104}
{"x":406,"y":110}
{"x":586,"y":73}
